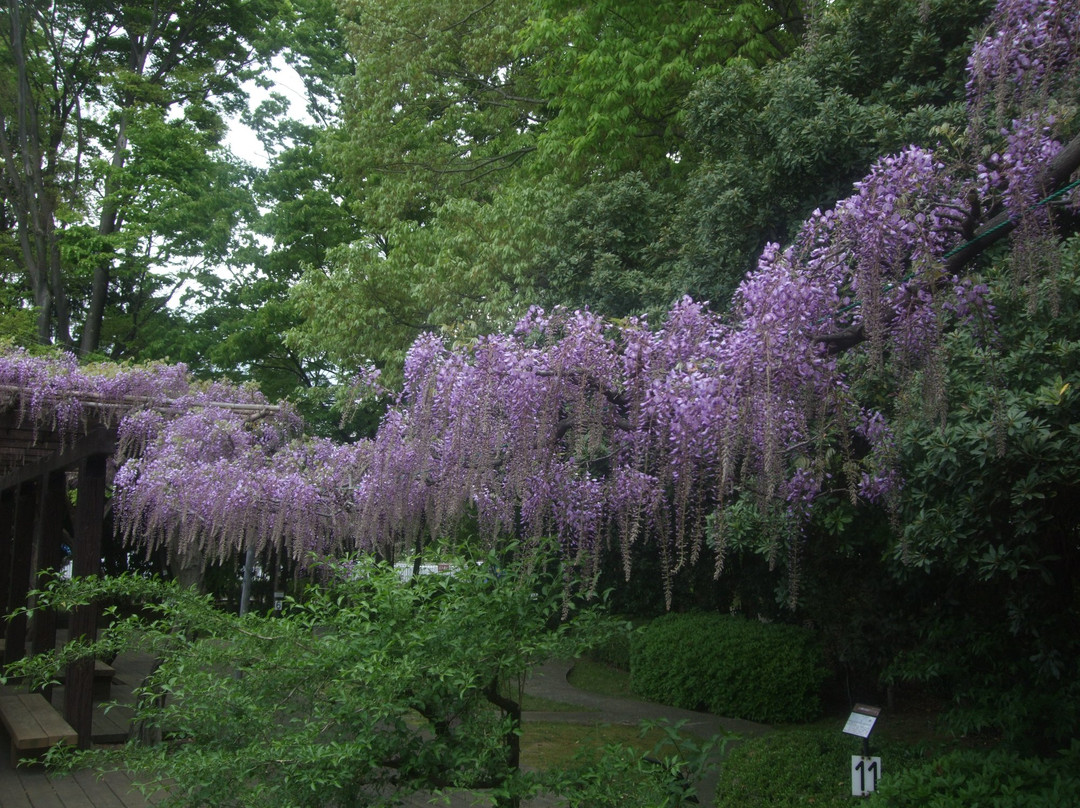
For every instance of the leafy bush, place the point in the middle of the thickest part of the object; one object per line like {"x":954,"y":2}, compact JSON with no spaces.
{"x":367,"y":686}
{"x":788,"y":769}
{"x":620,"y":777}
{"x":996,"y":779}
{"x":614,"y":651}
{"x":988,"y":520}
{"x":667,"y":777}
{"x":798,"y":767}
{"x":729,"y":666}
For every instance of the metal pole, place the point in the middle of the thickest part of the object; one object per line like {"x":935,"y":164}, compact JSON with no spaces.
{"x":245,"y":590}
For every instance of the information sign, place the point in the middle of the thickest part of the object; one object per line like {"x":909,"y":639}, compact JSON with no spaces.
{"x":861,"y":720}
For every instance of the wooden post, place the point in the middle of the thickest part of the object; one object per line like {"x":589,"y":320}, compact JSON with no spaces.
{"x":21,"y":552}
{"x":89,"y":515}
{"x":7,"y":522}
{"x":50,"y":535}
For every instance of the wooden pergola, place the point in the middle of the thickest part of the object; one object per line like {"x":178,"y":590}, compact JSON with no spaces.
{"x":38,"y":466}
{"x":35,"y":464}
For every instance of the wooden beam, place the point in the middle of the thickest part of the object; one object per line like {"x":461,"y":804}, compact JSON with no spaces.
{"x":99,"y":441}
{"x":126,"y":403}
{"x":7,"y":530}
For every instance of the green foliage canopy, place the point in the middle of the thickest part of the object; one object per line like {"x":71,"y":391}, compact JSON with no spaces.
{"x":112,"y":119}
{"x":365,"y":690}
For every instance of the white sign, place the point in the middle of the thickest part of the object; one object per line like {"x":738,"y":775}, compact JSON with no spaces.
{"x":865,"y":773}
{"x":861,"y":720}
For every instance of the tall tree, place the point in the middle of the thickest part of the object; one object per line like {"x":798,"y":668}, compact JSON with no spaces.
{"x":90,"y":89}
{"x":469,"y":128}
{"x":778,"y":142}
{"x":438,"y":115}
{"x":616,"y":74}
{"x":245,"y":320}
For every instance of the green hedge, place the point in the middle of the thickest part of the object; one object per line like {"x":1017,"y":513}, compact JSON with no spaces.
{"x":729,"y":666}
{"x":793,"y":768}
{"x":995,"y":779}
{"x":788,"y":769}
{"x":812,"y":766}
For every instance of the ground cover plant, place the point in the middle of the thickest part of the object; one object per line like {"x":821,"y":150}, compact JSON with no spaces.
{"x":554,"y":746}
{"x":597,"y":677}
{"x":994,"y":779}
{"x":619,"y":774}
{"x":802,"y":766}
{"x":799,"y":766}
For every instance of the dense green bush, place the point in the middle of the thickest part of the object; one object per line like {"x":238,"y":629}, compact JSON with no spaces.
{"x":729,"y":666}
{"x":997,"y":779}
{"x":788,"y":769}
{"x":614,"y":651}
{"x":798,"y":767}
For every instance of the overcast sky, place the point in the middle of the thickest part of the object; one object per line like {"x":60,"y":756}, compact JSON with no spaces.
{"x":241,"y":140}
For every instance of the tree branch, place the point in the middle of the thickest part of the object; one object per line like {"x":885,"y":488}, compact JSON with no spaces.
{"x":1055,"y":178}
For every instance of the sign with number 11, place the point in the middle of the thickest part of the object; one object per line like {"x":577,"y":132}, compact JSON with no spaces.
{"x":865,"y":772}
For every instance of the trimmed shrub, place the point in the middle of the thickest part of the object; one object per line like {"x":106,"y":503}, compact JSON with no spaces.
{"x":787,"y":770}
{"x":793,"y":768}
{"x":995,"y":779}
{"x":729,"y":666}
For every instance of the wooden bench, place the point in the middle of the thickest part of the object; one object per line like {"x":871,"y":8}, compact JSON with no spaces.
{"x":33,"y":725}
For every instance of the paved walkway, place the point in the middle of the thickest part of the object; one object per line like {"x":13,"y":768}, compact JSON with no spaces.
{"x":34,"y":788}
{"x":550,"y":682}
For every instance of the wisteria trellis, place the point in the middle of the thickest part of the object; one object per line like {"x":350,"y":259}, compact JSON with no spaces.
{"x":575,"y":427}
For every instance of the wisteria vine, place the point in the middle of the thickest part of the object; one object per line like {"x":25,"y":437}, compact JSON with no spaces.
{"x":575,"y":427}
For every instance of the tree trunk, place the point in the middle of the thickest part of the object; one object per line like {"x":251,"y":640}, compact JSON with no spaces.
{"x":107,"y":225}
{"x":29,"y":166}
{"x":512,"y":739}
{"x":187,"y":568}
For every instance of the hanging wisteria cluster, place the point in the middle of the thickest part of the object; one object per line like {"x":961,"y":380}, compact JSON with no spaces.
{"x":215,"y":482}
{"x":196,"y":459}
{"x":1016,"y":76}
{"x":57,"y":394}
{"x":574,"y":427}
{"x":1028,"y":57}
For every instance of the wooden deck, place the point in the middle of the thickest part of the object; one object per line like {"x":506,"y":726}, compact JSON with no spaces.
{"x":33,"y":787}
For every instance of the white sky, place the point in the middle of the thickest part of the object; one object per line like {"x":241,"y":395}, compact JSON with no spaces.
{"x":241,"y":139}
